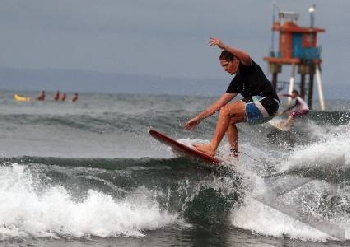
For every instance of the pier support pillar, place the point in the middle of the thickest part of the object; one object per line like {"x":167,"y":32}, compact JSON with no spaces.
{"x":319,"y":86}
{"x":310,"y":90}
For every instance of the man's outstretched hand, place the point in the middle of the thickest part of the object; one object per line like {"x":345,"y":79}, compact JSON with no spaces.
{"x":192,"y":123}
{"x":216,"y":42}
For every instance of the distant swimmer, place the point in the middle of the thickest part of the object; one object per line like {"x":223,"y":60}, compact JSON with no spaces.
{"x":64,"y":97}
{"x":298,"y":108}
{"x":259,"y":104}
{"x":75,"y":97}
{"x":57,"y":96}
{"x":42,"y":96}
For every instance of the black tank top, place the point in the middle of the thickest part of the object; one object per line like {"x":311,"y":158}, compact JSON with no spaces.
{"x":251,"y":81}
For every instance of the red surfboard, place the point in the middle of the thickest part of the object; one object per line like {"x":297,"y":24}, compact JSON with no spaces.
{"x":183,"y":149}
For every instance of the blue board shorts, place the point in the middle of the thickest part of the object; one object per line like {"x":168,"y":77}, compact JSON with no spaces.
{"x":256,"y":113}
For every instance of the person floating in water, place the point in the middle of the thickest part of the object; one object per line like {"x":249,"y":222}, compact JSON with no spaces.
{"x":42,"y":96}
{"x":57,"y":96}
{"x":64,"y":97}
{"x":259,"y":104}
{"x":75,"y":97}
{"x":297,"y":108}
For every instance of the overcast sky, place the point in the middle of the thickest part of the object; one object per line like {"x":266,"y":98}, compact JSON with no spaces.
{"x":160,"y":37}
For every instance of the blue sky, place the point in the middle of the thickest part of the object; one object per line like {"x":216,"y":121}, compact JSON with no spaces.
{"x":159,"y":37}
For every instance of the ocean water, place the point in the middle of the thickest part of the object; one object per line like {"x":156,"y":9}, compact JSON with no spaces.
{"x":88,"y":174}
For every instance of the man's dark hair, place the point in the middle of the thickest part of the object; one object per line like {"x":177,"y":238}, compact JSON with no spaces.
{"x":295,"y":91}
{"x":225,"y":55}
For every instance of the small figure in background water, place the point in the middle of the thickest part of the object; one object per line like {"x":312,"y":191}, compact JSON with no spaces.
{"x":42,"y":96}
{"x":57,"y":96}
{"x":298,"y":107}
{"x":64,"y":97}
{"x":75,"y":97}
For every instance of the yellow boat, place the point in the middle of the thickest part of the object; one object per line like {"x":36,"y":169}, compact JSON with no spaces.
{"x":20,"y":98}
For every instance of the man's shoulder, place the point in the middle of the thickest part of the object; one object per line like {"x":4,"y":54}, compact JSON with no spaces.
{"x":252,"y":63}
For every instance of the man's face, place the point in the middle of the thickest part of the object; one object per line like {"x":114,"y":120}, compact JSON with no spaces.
{"x":230,"y":67}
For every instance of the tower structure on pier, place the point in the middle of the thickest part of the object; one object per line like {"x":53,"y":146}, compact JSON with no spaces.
{"x":298,"y":48}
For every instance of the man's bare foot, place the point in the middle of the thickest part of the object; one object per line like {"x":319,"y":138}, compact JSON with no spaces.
{"x":205,"y":148}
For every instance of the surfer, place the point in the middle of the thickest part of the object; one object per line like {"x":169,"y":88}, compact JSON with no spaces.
{"x":258,"y":105}
{"x":75,"y":97}
{"x":42,"y":96}
{"x":298,"y":107}
{"x":57,"y":96}
{"x":64,"y":97}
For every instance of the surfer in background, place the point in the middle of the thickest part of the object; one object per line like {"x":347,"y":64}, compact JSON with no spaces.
{"x":64,"y":97}
{"x":57,"y":96}
{"x":42,"y":96}
{"x":259,"y":104}
{"x":297,"y":108}
{"x":75,"y":97}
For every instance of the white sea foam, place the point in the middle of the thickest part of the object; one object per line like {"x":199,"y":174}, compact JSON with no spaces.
{"x":333,"y":149}
{"x":54,"y":213}
{"x":262,"y":213}
{"x":264,"y":220}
